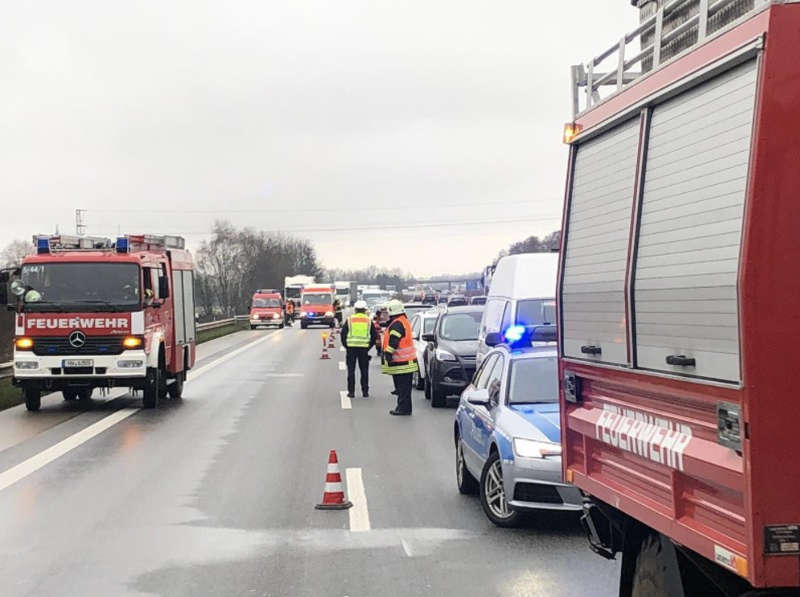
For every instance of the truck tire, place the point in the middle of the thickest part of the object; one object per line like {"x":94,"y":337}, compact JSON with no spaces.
{"x":303,"y":325}
{"x":175,"y":389}
{"x":69,"y":395}
{"x":33,"y":399}
{"x":252,"y":327}
{"x":656,"y":570}
{"x":150,"y":393}
{"x":85,"y":394}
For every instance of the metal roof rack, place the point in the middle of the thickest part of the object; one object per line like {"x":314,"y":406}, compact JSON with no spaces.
{"x":46,"y":243}
{"x":676,"y":27}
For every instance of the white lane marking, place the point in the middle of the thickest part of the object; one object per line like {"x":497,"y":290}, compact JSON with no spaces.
{"x":342,"y":366}
{"x":346,"y":404}
{"x":34,"y":463}
{"x":197,"y":372}
{"x":359,"y":514}
{"x":407,"y":548}
{"x":45,"y":457}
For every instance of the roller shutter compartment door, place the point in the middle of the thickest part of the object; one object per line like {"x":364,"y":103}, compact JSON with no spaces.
{"x":596,"y":257}
{"x":177,"y":297}
{"x":685,"y":292}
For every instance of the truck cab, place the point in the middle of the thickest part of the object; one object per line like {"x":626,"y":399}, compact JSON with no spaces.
{"x":266,"y":308}
{"x":94,"y":313}
{"x":316,"y":306}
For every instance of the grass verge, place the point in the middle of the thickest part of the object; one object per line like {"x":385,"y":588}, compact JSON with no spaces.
{"x":9,"y":395}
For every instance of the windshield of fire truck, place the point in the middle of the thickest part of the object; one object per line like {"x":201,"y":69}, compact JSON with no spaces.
{"x":266,"y":303}
{"x":293,"y":292}
{"x":317,"y":299}
{"x":85,"y":286}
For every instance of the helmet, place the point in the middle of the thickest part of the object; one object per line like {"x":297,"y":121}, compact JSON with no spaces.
{"x":360,"y":306}
{"x":395,"y":307}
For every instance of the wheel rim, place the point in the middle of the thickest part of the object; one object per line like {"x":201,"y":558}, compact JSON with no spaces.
{"x":460,"y":463}
{"x":494,"y":493}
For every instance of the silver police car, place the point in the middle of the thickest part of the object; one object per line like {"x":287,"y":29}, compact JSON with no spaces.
{"x":507,"y":436}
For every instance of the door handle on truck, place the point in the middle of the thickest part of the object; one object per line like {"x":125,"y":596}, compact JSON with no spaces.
{"x":680,"y":360}
{"x":591,"y":349}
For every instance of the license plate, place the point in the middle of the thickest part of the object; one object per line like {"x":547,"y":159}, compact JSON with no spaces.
{"x":77,"y":363}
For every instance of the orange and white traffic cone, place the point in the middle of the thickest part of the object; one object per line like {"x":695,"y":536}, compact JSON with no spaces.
{"x":333,"y":498}
{"x":324,"y":354}
{"x":330,"y":341}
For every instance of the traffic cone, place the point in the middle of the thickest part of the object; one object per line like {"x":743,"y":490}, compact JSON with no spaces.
{"x":330,"y":341}
{"x":324,"y":354}
{"x":333,"y":497}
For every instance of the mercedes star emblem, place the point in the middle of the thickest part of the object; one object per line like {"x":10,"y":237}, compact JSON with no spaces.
{"x":77,"y":339}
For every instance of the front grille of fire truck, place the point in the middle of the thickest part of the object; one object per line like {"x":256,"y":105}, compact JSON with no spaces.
{"x":61,"y":346}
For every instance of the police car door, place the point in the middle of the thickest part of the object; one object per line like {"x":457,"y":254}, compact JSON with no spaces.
{"x":483,"y":422}
{"x":472,"y":438}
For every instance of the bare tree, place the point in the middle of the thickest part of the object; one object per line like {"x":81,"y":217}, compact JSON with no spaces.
{"x":12,"y":254}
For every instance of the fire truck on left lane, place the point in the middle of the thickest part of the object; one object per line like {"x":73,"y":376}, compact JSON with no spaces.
{"x":97,"y":313}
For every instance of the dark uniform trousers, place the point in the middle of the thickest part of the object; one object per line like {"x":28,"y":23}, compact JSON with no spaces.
{"x":360,"y":356}
{"x":402,"y":383}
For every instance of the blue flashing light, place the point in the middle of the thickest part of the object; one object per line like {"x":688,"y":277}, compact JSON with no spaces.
{"x":122,"y":244}
{"x":514,"y":333}
{"x":43,"y":244}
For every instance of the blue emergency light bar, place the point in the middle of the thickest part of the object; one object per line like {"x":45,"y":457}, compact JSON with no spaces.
{"x":42,"y":245}
{"x":123,"y":246}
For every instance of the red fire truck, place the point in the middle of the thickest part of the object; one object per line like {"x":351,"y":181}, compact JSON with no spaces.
{"x":678,"y":302}
{"x":94,"y":313}
{"x":316,"y":306}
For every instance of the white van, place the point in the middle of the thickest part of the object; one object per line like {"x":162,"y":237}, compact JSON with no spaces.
{"x":522,"y":292}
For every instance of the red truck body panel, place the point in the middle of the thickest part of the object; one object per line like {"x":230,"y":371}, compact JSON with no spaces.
{"x":698,"y":492}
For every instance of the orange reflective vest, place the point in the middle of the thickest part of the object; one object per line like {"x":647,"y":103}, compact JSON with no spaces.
{"x":402,"y":359}
{"x":289,"y":307}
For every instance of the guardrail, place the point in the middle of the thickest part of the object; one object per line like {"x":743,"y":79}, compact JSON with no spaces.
{"x":220,"y":323}
{"x":6,"y":369}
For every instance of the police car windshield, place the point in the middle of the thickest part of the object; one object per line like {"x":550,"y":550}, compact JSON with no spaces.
{"x":536,"y":312}
{"x":317,"y":299}
{"x":460,"y":326}
{"x":266,"y":302}
{"x":88,"y":286}
{"x":533,"y":381}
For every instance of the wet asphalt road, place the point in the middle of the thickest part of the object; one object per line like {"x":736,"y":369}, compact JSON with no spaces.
{"x":215,"y":494}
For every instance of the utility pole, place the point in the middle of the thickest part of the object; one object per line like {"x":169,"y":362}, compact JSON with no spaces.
{"x":80,"y":223}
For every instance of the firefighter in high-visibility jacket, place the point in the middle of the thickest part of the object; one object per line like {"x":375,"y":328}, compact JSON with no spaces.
{"x":358,"y":336}
{"x":399,"y":356}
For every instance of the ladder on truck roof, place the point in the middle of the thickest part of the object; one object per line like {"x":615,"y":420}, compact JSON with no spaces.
{"x":676,"y":27}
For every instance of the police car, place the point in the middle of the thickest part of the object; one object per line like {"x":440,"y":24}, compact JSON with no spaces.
{"x":507,"y":433}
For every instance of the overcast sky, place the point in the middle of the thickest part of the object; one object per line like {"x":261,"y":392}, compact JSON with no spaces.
{"x":162,"y":116}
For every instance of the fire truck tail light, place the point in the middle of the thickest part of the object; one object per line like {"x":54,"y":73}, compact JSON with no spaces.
{"x":24,"y":343}
{"x":132,"y":342}
{"x":571,"y":130}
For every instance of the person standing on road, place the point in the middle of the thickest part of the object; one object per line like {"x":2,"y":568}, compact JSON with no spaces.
{"x":358,"y":336}
{"x":337,"y":311}
{"x":288,"y":312}
{"x":399,"y":356}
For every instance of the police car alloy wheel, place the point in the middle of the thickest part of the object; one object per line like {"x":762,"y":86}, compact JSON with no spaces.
{"x":493,"y":495}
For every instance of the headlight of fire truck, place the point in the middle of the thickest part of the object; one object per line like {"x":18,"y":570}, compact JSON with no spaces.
{"x":275,"y":316}
{"x":328,"y":313}
{"x":303,"y":313}
{"x":255,"y":316}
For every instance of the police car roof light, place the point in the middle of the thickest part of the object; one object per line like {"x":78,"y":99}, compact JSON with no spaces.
{"x":514,"y":333}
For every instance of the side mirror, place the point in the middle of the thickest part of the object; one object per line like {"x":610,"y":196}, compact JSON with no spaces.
{"x":428,"y":337}
{"x":479,"y":397}
{"x":493,"y":339}
{"x":163,"y":287}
